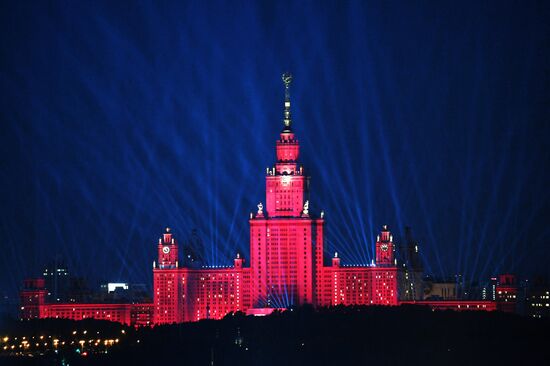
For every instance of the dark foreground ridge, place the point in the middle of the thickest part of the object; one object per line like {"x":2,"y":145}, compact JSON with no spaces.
{"x":407,"y":335}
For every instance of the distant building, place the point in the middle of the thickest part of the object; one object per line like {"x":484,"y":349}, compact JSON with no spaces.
{"x":456,"y":305}
{"x":506,"y":293}
{"x":436,"y":289}
{"x":56,"y":280}
{"x":489,"y":291}
{"x":34,"y":305}
{"x":538,"y":299}
{"x":79,"y":290}
{"x":33,"y":299}
{"x":123,"y":292}
{"x":410,"y":274}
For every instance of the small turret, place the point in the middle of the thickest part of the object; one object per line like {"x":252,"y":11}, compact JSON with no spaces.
{"x":167,"y":251}
{"x":335,"y":260}
{"x":238,"y":261}
{"x":385,"y":248}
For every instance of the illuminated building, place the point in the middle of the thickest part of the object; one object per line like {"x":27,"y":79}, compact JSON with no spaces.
{"x":33,"y":298}
{"x":440,"y":290}
{"x":286,"y":264}
{"x":187,"y":294}
{"x":538,"y":299}
{"x":34,"y":305}
{"x":506,"y":293}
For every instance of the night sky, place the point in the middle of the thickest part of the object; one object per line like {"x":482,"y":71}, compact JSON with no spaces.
{"x":121,"y":118}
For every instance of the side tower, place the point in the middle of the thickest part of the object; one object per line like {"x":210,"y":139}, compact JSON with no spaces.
{"x":167,"y":251}
{"x":384,"y":285}
{"x":385,"y":251}
{"x":286,"y":242}
{"x":33,"y":298}
{"x":167,"y":283}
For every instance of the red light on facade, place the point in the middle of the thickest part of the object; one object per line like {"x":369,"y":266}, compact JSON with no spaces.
{"x":286,"y":264}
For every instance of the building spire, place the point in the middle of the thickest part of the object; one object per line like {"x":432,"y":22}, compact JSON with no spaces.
{"x":287,"y":80}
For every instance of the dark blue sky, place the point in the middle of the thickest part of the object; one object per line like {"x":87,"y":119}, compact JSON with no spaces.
{"x":121,"y":118}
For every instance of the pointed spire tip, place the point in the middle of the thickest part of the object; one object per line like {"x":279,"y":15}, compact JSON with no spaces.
{"x":287,"y":80}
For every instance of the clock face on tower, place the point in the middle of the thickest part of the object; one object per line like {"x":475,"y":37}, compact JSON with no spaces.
{"x":166,"y":250}
{"x":384,"y":247}
{"x":285,"y":180}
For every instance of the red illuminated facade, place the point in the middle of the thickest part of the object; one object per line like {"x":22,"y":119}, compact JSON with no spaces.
{"x":506,"y":293}
{"x":34,"y":306}
{"x":286,"y":263}
{"x":286,"y":257}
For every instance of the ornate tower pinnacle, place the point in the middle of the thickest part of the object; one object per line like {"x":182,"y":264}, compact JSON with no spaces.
{"x":287,"y":80}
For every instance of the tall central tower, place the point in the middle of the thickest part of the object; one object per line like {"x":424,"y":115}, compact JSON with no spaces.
{"x":286,"y":185}
{"x":286,"y":242}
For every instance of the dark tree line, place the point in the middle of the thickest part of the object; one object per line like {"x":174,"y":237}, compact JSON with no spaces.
{"x":355,"y":335}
